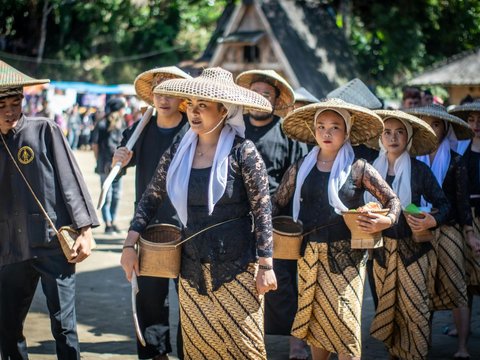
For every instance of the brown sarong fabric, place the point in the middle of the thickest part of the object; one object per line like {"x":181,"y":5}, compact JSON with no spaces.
{"x":402,"y":316}
{"x":449,"y":288}
{"x":224,"y":324}
{"x":329,"y":304}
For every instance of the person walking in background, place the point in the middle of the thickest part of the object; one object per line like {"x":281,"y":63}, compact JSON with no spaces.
{"x":73,"y":125}
{"x":167,"y":126}
{"x":329,"y":180}
{"x":278,"y":152}
{"x":29,"y":249}
{"x":450,"y":290}
{"x":218,"y":185}
{"x":107,"y":136}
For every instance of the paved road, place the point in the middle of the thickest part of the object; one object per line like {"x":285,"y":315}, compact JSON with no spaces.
{"x":103,"y":302}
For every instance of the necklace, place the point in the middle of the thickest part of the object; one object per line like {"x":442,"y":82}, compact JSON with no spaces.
{"x":199,"y":153}
{"x":326,"y":161}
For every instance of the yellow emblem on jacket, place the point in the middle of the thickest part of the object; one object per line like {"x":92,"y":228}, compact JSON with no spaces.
{"x":25,"y":155}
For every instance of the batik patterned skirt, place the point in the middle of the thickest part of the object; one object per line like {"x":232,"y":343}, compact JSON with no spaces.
{"x":329,"y":304}
{"x":402,"y":317}
{"x":448,"y":288}
{"x":226,"y":324}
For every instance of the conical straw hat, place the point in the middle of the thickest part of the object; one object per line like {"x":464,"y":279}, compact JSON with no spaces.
{"x":148,"y":80}
{"x":356,"y":92}
{"x":462,"y":111}
{"x":12,"y":78}
{"x":299,"y":124}
{"x":461,"y":128}
{"x":286,"y":97}
{"x":424,"y":140}
{"x":214,"y":84}
{"x":303,"y":95}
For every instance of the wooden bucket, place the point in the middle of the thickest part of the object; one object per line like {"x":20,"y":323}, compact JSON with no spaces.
{"x":424,"y":235}
{"x":159,"y":252}
{"x":361,"y":239}
{"x":287,"y":238}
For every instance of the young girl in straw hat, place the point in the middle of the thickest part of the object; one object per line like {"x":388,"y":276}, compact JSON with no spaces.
{"x":401,"y":267}
{"x":168,"y":124}
{"x":217,"y":182}
{"x":450,"y":290}
{"x":322,"y":184}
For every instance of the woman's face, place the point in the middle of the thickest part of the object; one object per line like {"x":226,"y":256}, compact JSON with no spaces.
{"x":330,"y":131}
{"x":474,"y":122}
{"x":204,"y":115}
{"x":438,"y":127}
{"x":166,"y":106}
{"x":394,"y":137}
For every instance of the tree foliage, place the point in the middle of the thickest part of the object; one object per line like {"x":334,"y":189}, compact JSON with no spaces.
{"x":104,"y":40}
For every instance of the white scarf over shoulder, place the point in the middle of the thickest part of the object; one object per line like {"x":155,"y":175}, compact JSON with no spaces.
{"x":340,"y":170}
{"x":178,"y":174}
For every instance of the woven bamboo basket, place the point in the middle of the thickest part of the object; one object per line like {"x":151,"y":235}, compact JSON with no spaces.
{"x":159,"y":252}
{"x":287,"y":238}
{"x":424,"y":235}
{"x":361,"y":239}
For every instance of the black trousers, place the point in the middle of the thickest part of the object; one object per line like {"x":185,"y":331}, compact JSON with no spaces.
{"x":281,"y":304}
{"x":17,"y":288}
{"x":152,"y":310}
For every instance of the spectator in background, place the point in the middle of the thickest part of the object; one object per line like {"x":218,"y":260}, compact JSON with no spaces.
{"x":412,"y":97}
{"x":427,"y":97}
{"x":107,"y":136}
{"x":73,"y":127}
{"x":86,"y":127}
{"x":45,"y":110}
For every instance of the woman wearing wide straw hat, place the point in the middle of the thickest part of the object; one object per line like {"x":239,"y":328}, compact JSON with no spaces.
{"x":450,"y":290}
{"x":212,"y":176}
{"x":401,"y":267}
{"x":322,"y":184}
{"x":167,"y":125}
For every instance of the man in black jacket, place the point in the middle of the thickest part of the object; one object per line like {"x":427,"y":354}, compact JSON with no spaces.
{"x":29,"y":249}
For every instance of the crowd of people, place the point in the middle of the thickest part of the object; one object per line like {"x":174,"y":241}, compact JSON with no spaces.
{"x":219,"y":159}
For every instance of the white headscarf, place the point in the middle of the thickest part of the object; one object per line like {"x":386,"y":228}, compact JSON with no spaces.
{"x":340,"y":169}
{"x":178,"y":174}
{"x":441,"y":162}
{"x":403,"y":169}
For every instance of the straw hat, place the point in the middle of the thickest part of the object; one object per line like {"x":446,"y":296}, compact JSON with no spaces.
{"x":286,"y":98}
{"x":303,"y":95}
{"x":214,"y":84}
{"x":461,"y":128}
{"x":148,"y":80}
{"x":462,"y":111}
{"x":356,"y":92}
{"x":12,"y":78}
{"x":298,"y":125}
{"x":424,"y":140}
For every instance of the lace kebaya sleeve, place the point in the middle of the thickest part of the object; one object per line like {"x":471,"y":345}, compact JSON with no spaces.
{"x":373,"y":182}
{"x":255,"y":178}
{"x":155,"y":193}
{"x":285,"y":190}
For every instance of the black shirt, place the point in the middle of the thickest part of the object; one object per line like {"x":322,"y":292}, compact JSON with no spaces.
{"x":472,"y":160}
{"x":47,"y":162}
{"x":277,"y":150}
{"x":148,"y":150}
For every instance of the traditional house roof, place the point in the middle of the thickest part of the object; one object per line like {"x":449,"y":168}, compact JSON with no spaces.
{"x":298,"y":39}
{"x":461,"y":69}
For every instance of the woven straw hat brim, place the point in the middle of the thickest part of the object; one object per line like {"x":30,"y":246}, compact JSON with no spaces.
{"x":462,"y":111}
{"x":461,"y":128}
{"x":11,"y":77}
{"x":299,"y":124}
{"x":143,"y":82}
{"x":207,"y":89}
{"x":286,"y":98}
{"x":424,"y":140}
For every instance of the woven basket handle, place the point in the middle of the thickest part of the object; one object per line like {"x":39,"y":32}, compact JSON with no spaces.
{"x":50,"y":222}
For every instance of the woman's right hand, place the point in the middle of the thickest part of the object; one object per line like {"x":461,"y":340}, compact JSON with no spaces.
{"x":123,"y":155}
{"x":129,"y":259}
